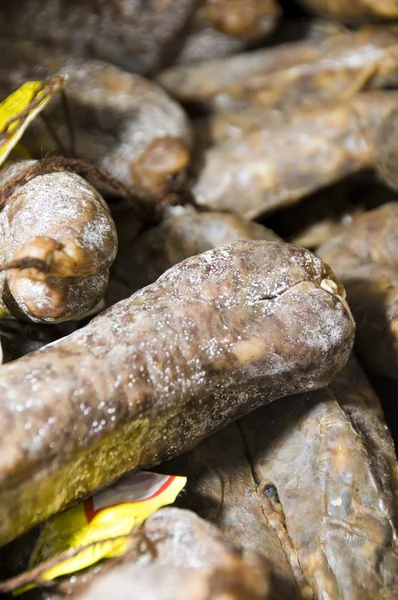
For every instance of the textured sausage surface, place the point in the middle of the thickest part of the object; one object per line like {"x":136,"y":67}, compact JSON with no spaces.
{"x":190,"y":559}
{"x":213,"y":338}
{"x":174,"y":554}
{"x":222,"y":487}
{"x":286,"y":158}
{"x":323,"y":470}
{"x":332,"y":462}
{"x":62,"y":220}
{"x":321,"y":67}
{"x":118,"y":120}
{"x":365,"y":257}
{"x":223,"y":27}
{"x":183,"y":233}
{"x":137,"y":35}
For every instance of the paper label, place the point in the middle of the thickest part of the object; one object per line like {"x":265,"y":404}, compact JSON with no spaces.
{"x":21,"y":107}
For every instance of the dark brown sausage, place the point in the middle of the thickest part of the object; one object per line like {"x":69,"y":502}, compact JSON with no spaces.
{"x":288,"y":157}
{"x":319,"y":470}
{"x":190,"y":559}
{"x":61,"y":223}
{"x":321,"y":67}
{"x":137,"y":35}
{"x":223,"y":27}
{"x":213,"y":338}
{"x":365,"y":257}
{"x":183,"y":233}
{"x":120,"y":121}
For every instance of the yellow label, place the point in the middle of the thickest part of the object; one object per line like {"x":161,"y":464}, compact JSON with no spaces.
{"x":19,"y":109}
{"x":102,"y":520}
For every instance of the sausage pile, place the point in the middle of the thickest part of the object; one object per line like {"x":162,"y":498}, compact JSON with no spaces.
{"x":199,"y":275}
